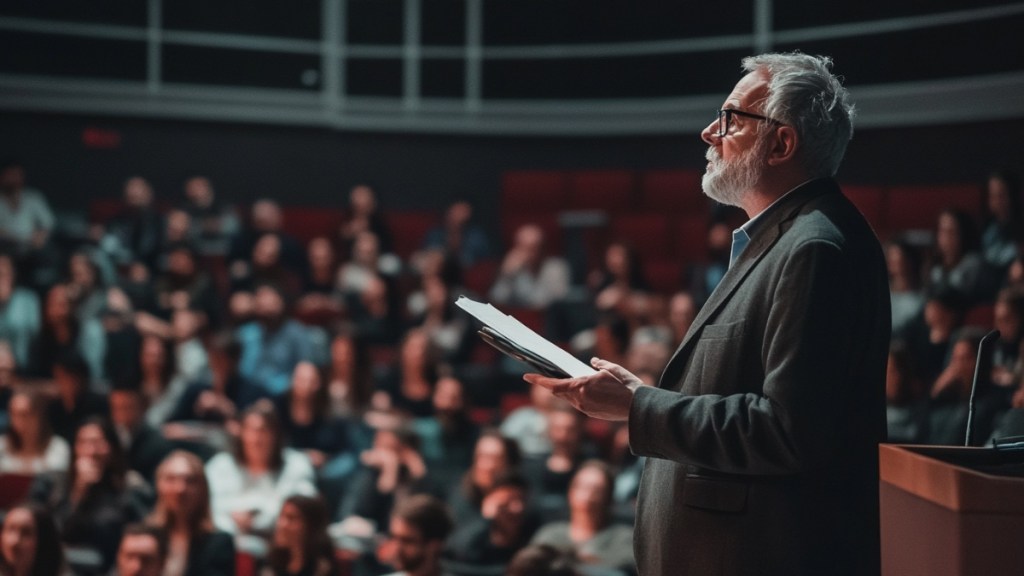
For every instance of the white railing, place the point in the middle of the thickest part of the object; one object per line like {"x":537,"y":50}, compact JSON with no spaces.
{"x":892,"y":104}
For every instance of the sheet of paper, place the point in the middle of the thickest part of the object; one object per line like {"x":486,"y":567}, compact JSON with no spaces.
{"x":522,"y":336}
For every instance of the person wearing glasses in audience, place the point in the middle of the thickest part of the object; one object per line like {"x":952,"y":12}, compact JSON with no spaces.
{"x":762,"y":435}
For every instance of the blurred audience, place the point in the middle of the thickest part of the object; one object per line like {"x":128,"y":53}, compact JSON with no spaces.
{"x":529,"y":277}
{"x":300,"y":545}
{"x":30,"y":543}
{"x":29,"y":445}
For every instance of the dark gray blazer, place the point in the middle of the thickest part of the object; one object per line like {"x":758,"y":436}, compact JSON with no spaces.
{"x":762,"y":434}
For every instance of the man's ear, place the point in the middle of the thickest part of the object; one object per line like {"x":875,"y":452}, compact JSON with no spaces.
{"x":785,"y":143}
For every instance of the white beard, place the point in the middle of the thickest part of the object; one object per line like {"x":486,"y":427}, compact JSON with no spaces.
{"x":730,"y":182}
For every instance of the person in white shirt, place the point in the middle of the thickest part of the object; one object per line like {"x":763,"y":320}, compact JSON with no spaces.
{"x":249,"y":484}
{"x":29,"y":445}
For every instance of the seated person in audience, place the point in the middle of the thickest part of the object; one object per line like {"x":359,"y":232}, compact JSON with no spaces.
{"x":213,"y":223}
{"x":619,"y":286}
{"x":85,"y":286}
{"x":161,"y":387}
{"x":265,"y":218}
{"x":30,"y":543}
{"x":349,"y":379}
{"x":98,"y":496}
{"x":411,"y":388}
{"x":182,"y":511}
{"x":8,"y":379}
{"x":19,"y":311}
{"x":367,"y":261}
{"x":505,"y":526}
{"x":249,"y":483}
{"x":589,"y":532}
{"x":493,"y":456}
{"x":956,"y":262}
{"x":550,"y":474}
{"x":705,"y":276}
{"x":1003,"y":227}
{"x":62,"y":333}
{"x":529,"y":278}
{"x":682,"y":311}
{"x":224,"y":391}
{"x":25,"y":216}
{"x":450,"y":436}
{"x":447,"y":327}
{"x":142,"y":552}
{"x":273,"y":343}
{"x":417,"y":532}
{"x":185,"y":286}
{"x":300,"y":545}
{"x":459,"y":235}
{"x":392,"y":469}
{"x":364,"y":215}
{"x":650,"y":348}
{"x":528,"y":424}
{"x":177,"y":231}
{"x":905,"y":397}
{"x":542,"y":560}
{"x":143,"y":444}
{"x":930,"y":341}
{"x":318,"y":294}
{"x":905,"y":290}
{"x":29,"y":445}
{"x":75,"y":402}
{"x":308,"y":424}
{"x":1008,"y":315}
{"x":268,"y":267}
{"x":136,"y":232}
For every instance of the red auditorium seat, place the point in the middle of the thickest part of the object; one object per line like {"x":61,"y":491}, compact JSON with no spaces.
{"x":533,"y":190}
{"x":608,"y":190}
{"x":648,"y":233}
{"x":870,"y":200}
{"x":305,"y":223}
{"x":691,"y":239}
{"x":918,"y":207}
{"x":676,"y":191}
{"x":14,"y":488}
{"x":408,"y":229}
{"x":664,"y":274}
{"x":479,"y":277}
{"x":103,"y":210}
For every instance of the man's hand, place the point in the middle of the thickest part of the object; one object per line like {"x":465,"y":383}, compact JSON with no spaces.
{"x":605,"y":395}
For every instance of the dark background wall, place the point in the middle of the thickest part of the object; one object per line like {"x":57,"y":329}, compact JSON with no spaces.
{"x":75,"y":158}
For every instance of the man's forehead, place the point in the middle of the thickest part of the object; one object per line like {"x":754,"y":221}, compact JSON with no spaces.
{"x":750,"y":89}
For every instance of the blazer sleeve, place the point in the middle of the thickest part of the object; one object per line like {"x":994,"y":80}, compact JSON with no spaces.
{"x":822,"y":310}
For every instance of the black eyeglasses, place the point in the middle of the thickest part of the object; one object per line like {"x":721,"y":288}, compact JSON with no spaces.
{"x":725,"y":119}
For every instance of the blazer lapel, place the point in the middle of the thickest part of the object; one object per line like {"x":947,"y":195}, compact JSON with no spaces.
{"x":767,"y":235}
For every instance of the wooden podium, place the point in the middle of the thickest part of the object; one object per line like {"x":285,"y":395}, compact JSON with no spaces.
{"x":951,"y":511}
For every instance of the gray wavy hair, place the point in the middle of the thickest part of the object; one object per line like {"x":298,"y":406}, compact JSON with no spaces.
{"x":804,"y":94}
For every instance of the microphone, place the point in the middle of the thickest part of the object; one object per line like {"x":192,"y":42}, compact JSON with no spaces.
{"x":984,"y":349}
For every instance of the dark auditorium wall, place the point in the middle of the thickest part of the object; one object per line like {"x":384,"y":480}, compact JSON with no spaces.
{"x":412,"y":171}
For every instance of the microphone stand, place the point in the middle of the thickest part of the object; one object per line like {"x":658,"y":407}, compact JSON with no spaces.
{"x":983,"y":355}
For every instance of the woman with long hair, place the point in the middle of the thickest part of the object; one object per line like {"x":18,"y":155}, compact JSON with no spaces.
{"x":249,"y":483}
{"x":493,"y":456}
{"x":29,"y":445}
{"x":956,"y":262}
{"x":30,"y":543}
{"x":300,"y":545}
{"x":349,"y":382}
{"x":1003,"y":219}
{"x":63,"y":333}
{"x":182,"y":511}
{"x":99,"y":495}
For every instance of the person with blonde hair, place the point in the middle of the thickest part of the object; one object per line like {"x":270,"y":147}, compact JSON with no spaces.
{"x":182,"y":510}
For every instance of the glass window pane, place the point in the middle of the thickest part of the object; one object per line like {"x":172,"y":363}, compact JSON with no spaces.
{"x":229,"y":67}
{"x":58,"y":55}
